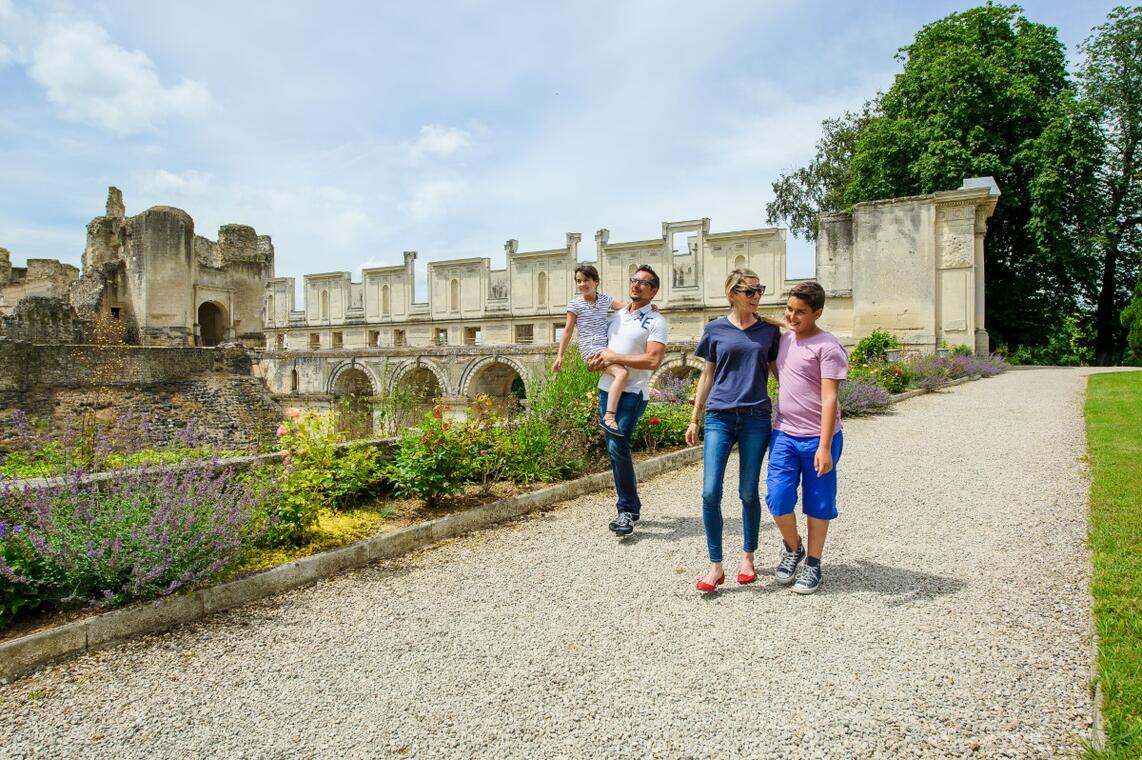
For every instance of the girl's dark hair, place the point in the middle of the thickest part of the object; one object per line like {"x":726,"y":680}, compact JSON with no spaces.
{"x":588,"y":271}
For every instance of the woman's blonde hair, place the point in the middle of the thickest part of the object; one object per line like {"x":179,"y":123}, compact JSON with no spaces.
{"x":736,"y":278}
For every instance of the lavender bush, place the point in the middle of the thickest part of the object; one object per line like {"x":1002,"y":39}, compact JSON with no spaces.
{"x":36,"y":449}
{"x":143,"y":535}
{"x":859,"y":397}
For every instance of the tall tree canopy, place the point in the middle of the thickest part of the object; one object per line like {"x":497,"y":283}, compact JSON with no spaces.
{"x":1110,"y":89}
{"x":982,"y":92}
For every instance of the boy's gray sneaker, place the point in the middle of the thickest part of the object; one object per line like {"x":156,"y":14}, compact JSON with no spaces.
{"x":787,"y":562}
{"x":808,"y":580}
{"x":623,"y":525}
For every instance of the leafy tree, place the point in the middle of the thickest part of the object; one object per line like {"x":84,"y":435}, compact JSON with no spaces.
{"x":983,"y":92}
{"x":976,"y":94}
{"x":1110,"y":82}
{"x":819,"y":188}
{"x":1132,"y":322}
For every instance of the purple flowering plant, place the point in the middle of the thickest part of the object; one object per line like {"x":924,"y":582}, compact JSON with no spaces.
{"x":146,"y":534}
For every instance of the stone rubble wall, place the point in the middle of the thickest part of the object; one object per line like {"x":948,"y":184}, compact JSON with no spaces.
{"x":168,"y":386}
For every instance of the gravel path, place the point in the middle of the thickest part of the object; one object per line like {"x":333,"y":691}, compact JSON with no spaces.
{"x":953,"y":621}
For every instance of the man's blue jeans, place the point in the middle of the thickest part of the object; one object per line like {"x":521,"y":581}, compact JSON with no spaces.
{"x":750,"y":430}
{"x":631,"y":406}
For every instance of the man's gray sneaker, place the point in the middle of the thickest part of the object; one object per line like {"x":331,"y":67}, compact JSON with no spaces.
{"x":623,"y":525}
{"x":808,"y":580}
{"x":787,"y":562}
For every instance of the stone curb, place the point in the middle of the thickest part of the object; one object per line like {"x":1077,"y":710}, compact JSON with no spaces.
{"x":28,"y":653}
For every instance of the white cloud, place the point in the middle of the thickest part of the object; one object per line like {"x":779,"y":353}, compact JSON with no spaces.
{"x":430,"y":199}
{"x":6,"y":54}
{"x":95,"y":81}
{"x":439,"y":141}
{"x":163,"y":183}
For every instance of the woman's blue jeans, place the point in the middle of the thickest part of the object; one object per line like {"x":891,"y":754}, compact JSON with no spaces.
{"x":750,"y":430}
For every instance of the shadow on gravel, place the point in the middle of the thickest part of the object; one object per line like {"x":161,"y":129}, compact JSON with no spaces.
{"x":678,"y":528}
{"x":905,"y":586}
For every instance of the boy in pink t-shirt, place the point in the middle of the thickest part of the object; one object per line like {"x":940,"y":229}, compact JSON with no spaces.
{"x":807,"y":441}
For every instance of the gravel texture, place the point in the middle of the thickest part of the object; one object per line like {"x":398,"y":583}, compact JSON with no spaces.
{"x":953,"y":621}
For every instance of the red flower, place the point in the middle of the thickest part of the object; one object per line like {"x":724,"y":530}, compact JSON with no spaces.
{"x":655,"y":421}
{"x":445,"y":426}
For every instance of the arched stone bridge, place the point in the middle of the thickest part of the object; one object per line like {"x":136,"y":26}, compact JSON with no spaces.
{"x":455,"y":374}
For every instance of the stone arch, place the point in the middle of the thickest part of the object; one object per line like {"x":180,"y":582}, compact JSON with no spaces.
{"x":324,"y":304}
{"x":213,"y":323}
{"x":336,"y":377}
{"x":541,"y":289}
{"x":682,"y":367}
{"x":741,"y":262}
{"x":454,"y":295}
{"x":500,"y":377}
{"x":413,"y":369}
{"x":386,"y":304}
{"x":353,"y":388}
{"x":294,"y":381}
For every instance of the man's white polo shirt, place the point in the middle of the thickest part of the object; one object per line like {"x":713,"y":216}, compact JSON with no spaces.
{"x":628,"y":333}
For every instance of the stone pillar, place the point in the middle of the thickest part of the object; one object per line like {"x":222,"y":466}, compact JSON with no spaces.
{"x":115,"y":207}
{"x":410,"y":279}
{"x":5,"y":266}
{"x":981,"y":339}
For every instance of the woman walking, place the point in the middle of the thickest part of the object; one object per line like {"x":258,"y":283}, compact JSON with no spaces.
{"x":737,"y":349}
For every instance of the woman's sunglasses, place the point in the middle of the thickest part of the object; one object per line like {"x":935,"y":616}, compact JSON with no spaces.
{"x":750,"y":292}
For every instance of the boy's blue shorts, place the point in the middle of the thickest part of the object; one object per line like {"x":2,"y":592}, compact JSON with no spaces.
{"x":790,"y":463}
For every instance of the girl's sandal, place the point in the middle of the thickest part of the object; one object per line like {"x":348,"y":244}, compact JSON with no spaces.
{"x":609,"y":424}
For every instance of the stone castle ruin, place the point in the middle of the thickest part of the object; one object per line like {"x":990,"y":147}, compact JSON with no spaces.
{"x":914,"y":266}
{"x":133,"y":328}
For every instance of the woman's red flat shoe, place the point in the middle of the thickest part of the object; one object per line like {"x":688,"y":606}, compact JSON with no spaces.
{"x":706,"y":588}
{"x":743,"y":578}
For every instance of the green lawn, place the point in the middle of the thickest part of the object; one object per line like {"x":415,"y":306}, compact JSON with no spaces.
{"x":1114,"y":438}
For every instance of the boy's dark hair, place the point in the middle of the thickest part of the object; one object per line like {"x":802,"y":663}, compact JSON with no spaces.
{"x":654,"y":281}
{"x":587,"y":271}
{"x":811,"y":293}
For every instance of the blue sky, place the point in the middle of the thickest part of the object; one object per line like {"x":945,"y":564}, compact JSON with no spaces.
{"x":350,"y":132}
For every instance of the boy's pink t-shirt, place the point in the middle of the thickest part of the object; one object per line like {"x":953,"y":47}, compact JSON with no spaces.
{"x":800,"y":366}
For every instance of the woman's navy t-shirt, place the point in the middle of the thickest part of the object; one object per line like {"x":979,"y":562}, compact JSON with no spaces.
{"x":741,"y":363}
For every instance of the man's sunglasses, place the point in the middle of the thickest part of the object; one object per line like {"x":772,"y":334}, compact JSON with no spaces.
{"x":750,"y":292}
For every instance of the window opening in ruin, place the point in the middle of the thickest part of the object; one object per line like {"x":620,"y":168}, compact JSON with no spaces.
{"x":541,"y":289}
{"x":374,"y":338}
{"x":293,"y":382}
{"x":385,"y":301}
{"x":338,"y":340}
{"x":211,"y":324}
{"x":314,"y":341}
{"x":398,"y":338}
{"x":557,"y":332}
{"x":525,"y":333}
{"x":324,"y":304}
{"x":441,"y":336}
{"x":269,"y":310}
{"x":114,"y":312}
{"x":740,"y":262}
{"x":472,"y":336}
{"x":454,"y":295}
